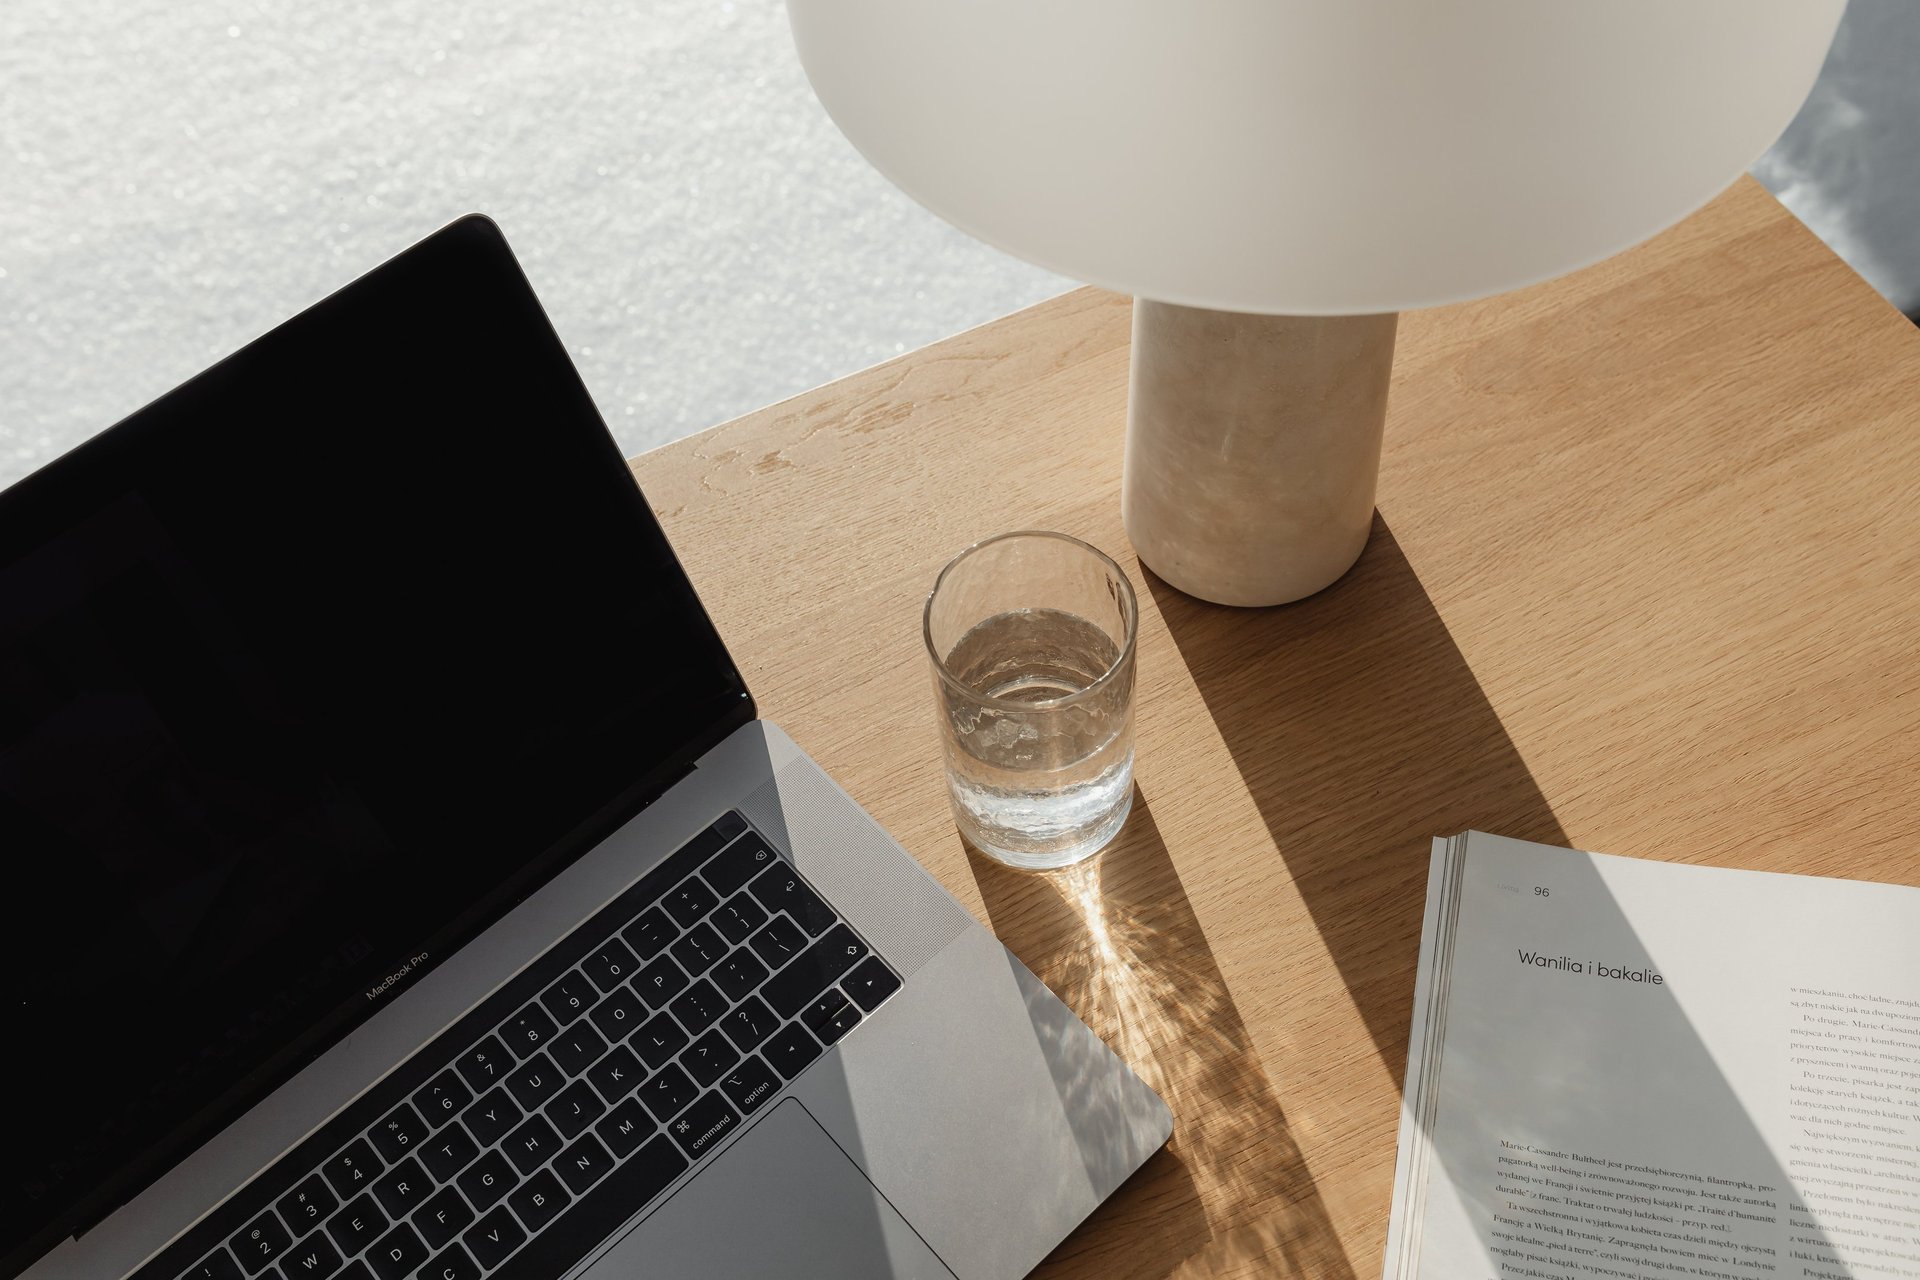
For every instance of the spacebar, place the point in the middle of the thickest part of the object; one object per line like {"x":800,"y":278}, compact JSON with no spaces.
{"x":596,"y":1215}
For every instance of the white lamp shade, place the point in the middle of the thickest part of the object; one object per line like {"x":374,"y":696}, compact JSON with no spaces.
{"x":1312,"y":157}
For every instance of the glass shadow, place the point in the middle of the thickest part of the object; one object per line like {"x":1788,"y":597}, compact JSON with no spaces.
{"x":1117,"y":940}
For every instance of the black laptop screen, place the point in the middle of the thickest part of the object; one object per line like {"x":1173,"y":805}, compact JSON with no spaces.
{"x":307,"y":672}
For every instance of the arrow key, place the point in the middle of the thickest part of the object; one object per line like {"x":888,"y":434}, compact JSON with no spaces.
{"x":870,"y":983}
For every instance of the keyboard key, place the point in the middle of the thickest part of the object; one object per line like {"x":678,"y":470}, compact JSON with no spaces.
{"x":779,"y":942}
{"x":218,"y":1265}
{"x":749,"y":1024}
{"x":490,"y":1178}
{"x":490,"y":1118}
{"x":447,"y":1152}
{"x":540,"y":1200}
{"x":611,"y":966}
{"x":737,"y":917}
{"x":442,"y":1218}
{"x":583,"y":1164}
{"x":484,"y":1065}
{"x":314,"y":1258}
{"x":353,"y":1170}
{"x":705,"y":1123}
{"x":355,"y":1271}
{"x":660,"y":982}
{"x":691,"y":900}
{"x":617,"y":1015}
{"x":659,"y":1040}
{"x":839,"y":1024}
{"x":625,"y":1128}
{"x":736,"y":864}
{"x":395,"y":1136}
{"x":699,"y":950}
{"x":531,"y":1145}
{"x":404,"y":1189}
{"x":454,"y":1264}
{"x":441,"y":1099}
{"x":781,"y":889}
{"x":699,"y":1006}
{"x":739,"y":973}
{"x":577,"y":1107}
{"x":536,"y":1080}
{"x":707,"y":1057}
{"x":356,"y":1226}
{"x":750,"y":1085}
{"x":398,"y":1254}
{"x":823,"y":1010}
{"x":667,"y":1093}
{"x":796,"y":986}
{"x":570,"y":997}
{"x":791,"y":1050}
{"x":260,"y":1242}
{"x":650,"y":934}
{"x":577,"y":1048}
{"x":616,"y":1075}
{"x":601,"y":1211}
{"x":528,"y":1030}
{"x":306,"y":1206}
{"x":494,"y":1237}
{"x":870,"y":983}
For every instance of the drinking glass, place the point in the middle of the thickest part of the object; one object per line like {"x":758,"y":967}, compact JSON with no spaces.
{"x":1032,"y":640}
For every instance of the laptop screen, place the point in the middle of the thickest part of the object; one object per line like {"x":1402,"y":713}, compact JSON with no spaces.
{"x":308,"y":671}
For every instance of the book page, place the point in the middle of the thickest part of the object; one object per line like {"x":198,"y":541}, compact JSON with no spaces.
{"x":1653,"y":1069}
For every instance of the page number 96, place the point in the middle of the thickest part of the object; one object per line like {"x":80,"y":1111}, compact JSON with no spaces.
{"x":1541,"y":891}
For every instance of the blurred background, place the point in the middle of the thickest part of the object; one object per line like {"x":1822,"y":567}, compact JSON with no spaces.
{"x":181,"y":175}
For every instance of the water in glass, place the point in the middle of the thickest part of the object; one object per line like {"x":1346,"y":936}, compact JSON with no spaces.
{"x":1041,"y":781}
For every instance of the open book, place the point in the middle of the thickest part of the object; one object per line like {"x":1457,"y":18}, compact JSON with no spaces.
{"x":1622,"y":1068}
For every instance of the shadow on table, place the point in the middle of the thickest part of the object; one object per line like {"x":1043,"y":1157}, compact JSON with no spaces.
{"x":1360,"y":733}
{"x":1118,"y":941}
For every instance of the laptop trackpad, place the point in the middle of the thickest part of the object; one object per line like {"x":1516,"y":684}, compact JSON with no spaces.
{"x":782,"y":1202}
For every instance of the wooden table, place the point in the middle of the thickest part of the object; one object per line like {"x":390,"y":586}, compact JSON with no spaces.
{"x":1645,"y":579}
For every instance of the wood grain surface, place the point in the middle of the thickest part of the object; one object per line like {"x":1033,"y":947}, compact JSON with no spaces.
{"x":1645,"y":579}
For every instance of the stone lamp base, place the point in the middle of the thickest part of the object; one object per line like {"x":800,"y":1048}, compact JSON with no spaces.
{"x":1253,"y":447}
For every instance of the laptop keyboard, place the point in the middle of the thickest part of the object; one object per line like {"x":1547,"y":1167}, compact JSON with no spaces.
{"x":515,"y":1142}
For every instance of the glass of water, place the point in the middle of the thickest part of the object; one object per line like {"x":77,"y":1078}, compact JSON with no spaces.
{"x":1032,"y":640}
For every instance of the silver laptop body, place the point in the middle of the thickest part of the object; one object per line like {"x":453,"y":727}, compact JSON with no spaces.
{"x":906,"y":1099}
{"x":962,"y":1129}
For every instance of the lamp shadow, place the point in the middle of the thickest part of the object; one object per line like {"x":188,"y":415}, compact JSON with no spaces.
{"x":1360,"y":733}
{"x":1117,"y":940}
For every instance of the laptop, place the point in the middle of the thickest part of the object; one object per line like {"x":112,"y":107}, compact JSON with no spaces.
{"x":402,"y":887}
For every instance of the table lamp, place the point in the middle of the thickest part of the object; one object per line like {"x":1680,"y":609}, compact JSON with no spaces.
{"x":1274,"y":180}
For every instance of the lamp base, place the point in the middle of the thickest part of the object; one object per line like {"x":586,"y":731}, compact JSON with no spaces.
{"x":1253,"y":447}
